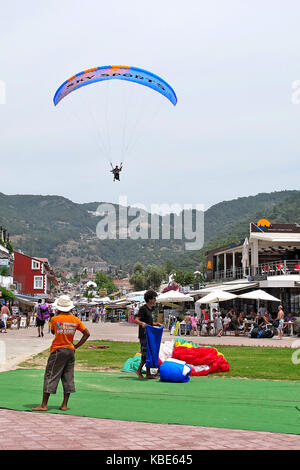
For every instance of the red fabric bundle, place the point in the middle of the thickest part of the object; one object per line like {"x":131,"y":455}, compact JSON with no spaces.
{"x":198,"y":356}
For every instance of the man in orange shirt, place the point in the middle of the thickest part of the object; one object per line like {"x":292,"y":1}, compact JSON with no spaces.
{"x":60,"y":365}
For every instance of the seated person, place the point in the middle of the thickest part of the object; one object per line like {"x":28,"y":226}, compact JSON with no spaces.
{"x":249,"y":320}
{"x":234,"y":324}
{"x":251,"y":315}
{"x":288,"y":321}
{"x":240,"y":322}
{"x":289,"y":318}
{"x":267,"y":318}
{"x":259,"y":321}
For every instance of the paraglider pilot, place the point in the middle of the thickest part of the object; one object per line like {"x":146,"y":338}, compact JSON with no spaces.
{"x":116,"y":172}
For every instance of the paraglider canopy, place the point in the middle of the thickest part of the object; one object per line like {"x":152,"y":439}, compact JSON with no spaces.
{"x":120,"y":72}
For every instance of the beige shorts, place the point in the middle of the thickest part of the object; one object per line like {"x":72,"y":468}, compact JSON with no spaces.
{"x":60,"y":366}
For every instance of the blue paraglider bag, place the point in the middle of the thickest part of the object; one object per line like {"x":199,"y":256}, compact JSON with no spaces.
{"x":154,"y":336}
{"x":173,"y":370}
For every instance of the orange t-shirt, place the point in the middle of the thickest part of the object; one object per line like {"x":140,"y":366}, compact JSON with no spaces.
{"x":64,"y":326}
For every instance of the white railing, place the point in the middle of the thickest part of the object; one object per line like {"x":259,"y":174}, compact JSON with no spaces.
{"x":274,"y":268}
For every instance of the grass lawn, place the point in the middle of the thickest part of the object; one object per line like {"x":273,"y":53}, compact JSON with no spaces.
{"x":112,"y":358}
{"x":245,"y":362}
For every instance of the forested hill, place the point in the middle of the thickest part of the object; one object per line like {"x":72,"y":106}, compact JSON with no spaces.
{"x":65,"y":232}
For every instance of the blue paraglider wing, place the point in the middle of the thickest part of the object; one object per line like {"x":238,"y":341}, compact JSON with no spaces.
{"x":120,"y":72}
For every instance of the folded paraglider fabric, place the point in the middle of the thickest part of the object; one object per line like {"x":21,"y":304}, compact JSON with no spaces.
{"x":154,"y":336}
{"x":173,"y":370}
{"x":166,"y":350}
{"x":202,"y":356}
{"x":132,"y":364}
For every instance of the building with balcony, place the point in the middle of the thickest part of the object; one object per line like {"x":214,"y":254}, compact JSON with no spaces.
{"x":269,"y":257}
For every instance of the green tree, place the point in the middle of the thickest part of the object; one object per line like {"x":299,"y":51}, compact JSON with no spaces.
{"x":6,"y":294}
{"x":105,"y":282}
{"x":138,"y":280}
{"x":154,"y":276}
{"x":179,"y":277}
{"x":138,"y":268}
{"x":189,"y":278}
{"x":138,"y":277}
{"x":4,"y":271}
{"x":169,"y":267}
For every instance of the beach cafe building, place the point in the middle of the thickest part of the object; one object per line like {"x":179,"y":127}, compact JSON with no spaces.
{"x":268,"y":259}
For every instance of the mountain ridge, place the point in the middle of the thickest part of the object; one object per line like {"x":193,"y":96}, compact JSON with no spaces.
{"x":65,"y":232}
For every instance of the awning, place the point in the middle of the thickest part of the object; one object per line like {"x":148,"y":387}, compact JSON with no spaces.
{"x":26,"y":299}
{"x":173,"y":296}
{"x":116,"y":307}
{"x":287,"y":280}
{"x":276,"y":237}
{"x":229,"y":287}
{"x":138,"y":298}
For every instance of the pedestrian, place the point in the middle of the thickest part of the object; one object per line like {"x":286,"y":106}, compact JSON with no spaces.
{"x":188,"y":323}
{"x":143,"y":318}
{"x":4,"y":314}
{"x":82,"y":314}
{"x":97,"y":314}
{"x":87,"y":313}
{"x":280,"y":318}
{"x":135,"y":310}
{"x":51,"y":313}
{"x":103,"y":315}
{"x":43,"y":314}
{"x":60,"y":364}
{"x":226,"y":322}
{"x":204,"y":321}
{"x":194,"y":321}
{"x":218,"y":324}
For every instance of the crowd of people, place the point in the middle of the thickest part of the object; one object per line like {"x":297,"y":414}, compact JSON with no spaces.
{"x":220,"y":323}
{"x":41,"y":314}
{"x":239,"y":323}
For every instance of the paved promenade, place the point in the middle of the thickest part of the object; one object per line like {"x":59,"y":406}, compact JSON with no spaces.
{"x":33,"y":430}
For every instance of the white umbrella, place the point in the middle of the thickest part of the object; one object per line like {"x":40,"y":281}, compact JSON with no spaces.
{"x":259,"y":295}
{"x":101,"y":300}
{"x":82,"y":302}
{"x":173,"y":296}
{"x":245,"y":255}
{"x":91,"y":283}
{"x":216,"y":296}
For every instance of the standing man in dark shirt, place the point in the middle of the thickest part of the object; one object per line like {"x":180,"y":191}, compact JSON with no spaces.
{"x":143,"y":318}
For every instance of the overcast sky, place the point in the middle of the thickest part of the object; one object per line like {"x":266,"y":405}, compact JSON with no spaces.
{"x":234,"y":132}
